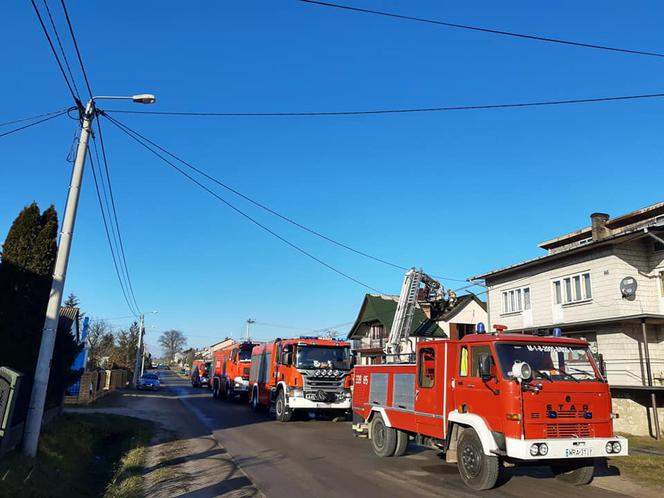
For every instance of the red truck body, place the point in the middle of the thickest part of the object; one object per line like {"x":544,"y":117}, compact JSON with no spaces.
{"x":300,"y":374}
{"x":231,"y":371}
{"x":560,"y":415}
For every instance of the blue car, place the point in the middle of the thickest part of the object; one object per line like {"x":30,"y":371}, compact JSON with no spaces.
{"x":149,"y":381}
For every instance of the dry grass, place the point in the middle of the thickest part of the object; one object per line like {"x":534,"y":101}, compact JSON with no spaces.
{"x":641,"y":466}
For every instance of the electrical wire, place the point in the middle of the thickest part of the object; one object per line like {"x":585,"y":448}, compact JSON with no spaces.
{"x":46,"y":114}
{"x":78,"y":52}
{"x":62,"y":50}
{"x":52,"y":116}
{"x":115,"y":216}
{"x":55,"y":54}
{"x":270,"y":210}
{"x":484,"y":30}
{"x":108,"y":235}
{"x":237,"y":210}
{"x":406,"y":110}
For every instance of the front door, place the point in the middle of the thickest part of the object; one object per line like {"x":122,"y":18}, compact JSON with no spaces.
{"x":429,"y":391}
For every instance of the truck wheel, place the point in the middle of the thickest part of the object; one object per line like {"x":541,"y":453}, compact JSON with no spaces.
{"x":230,"y":393}
{"x":402,"y":443}
{"x":576,"y":473}
{"x":383,"y":438}
{"x":478,"y":471}
{"x":283,"y":413}
{"x":255,"y":405}
{"x":215,"y":390}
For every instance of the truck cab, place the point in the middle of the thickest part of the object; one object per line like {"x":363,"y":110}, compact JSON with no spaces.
{"x":200,"y":373}
{"x":231,"y":371}
{"x":493,"y":398}
{"x":301,"y":374}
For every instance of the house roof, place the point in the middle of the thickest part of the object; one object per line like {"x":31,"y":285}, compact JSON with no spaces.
{"x":381,"y":308}
{"x":69,"y":320}
{"x":621,"y":229}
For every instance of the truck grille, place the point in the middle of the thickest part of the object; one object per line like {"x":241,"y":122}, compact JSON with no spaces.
{"x":322,"y":383}
{"x":560,"y":414}
{"x":569,"y":430}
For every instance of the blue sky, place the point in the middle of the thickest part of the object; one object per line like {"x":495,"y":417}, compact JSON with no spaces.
{"x":455,"y":193}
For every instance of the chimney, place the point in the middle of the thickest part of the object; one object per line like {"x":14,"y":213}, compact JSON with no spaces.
{"x":598,"y":223}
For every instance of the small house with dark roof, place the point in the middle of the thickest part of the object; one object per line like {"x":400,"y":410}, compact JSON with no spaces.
{"x":372,"y":327}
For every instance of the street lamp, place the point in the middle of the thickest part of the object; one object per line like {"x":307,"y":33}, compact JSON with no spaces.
{"x":38,"y":397}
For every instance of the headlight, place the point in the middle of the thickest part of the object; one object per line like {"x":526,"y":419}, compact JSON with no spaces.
{"x":295,"y":393}
{"x":609,"y":447}
{"x":238,"y":380}
{"x":617,"y":447}
{"x":543,"y":449}
{"x":534,"y":450}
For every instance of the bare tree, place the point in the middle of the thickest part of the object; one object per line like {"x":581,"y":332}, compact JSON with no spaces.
{"x":171,"y":342}
{"x":98,"y":342}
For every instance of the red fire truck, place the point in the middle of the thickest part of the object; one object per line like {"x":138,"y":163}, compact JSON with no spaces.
{"x":492,"y":398}
{"x":231,"y":371}
{"x":200,"y":373}
{"x":300,"y":374}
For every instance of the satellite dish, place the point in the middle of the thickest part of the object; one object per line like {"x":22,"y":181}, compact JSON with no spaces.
{"x":628,"y":286}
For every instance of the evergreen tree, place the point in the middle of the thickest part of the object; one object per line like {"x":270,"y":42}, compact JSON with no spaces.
{"x":26,"y":267}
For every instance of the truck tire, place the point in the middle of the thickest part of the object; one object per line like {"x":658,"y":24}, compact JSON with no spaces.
{"x":283,"y":413}
{"x":577,"y":473}
{"x":478,"y":471}
{"x":402,"y":443}
{"x":215,"y":389}
{"x":255,"y":405}
{"x":383,"y":438}
{"x":230,"y":392}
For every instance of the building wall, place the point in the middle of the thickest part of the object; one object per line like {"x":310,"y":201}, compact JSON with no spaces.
{"x":607,"y":266}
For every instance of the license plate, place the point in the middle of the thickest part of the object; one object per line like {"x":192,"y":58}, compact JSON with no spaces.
{"x":578,"y":452}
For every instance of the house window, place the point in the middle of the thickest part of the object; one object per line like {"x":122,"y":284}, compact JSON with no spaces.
{"x":516,"y":300}
{"x":572,"y":289}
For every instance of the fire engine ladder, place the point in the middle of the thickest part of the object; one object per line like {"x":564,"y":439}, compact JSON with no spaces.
{"x":403,"y":317}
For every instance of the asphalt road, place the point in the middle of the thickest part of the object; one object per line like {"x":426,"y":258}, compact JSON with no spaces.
{"x":319,"y":458}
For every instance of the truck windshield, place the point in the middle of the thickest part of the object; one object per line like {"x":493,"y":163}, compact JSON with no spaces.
{"x":245,"y":354}
{"x":323,"y":357}
{"x":559,"y":362}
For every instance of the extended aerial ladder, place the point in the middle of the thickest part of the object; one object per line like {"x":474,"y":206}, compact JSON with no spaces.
{"x":417,"y":286}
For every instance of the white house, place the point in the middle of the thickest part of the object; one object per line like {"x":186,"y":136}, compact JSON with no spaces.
{"x":604,"y":283}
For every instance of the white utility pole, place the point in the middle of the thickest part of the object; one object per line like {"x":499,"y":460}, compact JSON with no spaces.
{"x":139,"y":351}
{"x":249,"y":322}
{"x":33,"y":421}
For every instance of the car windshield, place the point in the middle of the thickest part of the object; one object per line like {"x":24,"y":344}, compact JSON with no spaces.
{"x":560,"y":362}
{"x":150,"y":376}
{"x":245,"y":354}
{"x":323,"y":357}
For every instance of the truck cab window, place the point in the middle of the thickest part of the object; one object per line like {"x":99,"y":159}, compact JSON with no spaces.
{"x":474,"y":358}
{"x":427,"y":367}
{"x":463,"y":362}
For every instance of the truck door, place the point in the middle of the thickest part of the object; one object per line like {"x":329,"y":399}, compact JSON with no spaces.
{"x":429,"y":391}
{"x":472,"y":394}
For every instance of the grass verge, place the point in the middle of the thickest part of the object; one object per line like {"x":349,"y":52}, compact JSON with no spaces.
{"x":644,"y":467}
{"x":81,"y":455}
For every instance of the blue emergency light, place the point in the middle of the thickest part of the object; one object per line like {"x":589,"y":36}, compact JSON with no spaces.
{"x":557,"y":332}
{"x":480,"y":328}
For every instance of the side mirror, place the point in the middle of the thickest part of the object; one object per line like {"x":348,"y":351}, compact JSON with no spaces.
{"x":484,"y":366}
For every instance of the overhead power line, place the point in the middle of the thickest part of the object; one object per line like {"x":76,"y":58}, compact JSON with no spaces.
{"x":114,"y":212}
{"x":31,"y":118}
{"x":485,"y":30}
{"x":55,"y":54}
{"x":52,"y":116}
{"x":306,"y":253}
{"x":406,"y":110}
{"x":272,"y":211}
{"x":78,"y":52}
{"x":107,"y":231}
{"x":62,"y":50}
